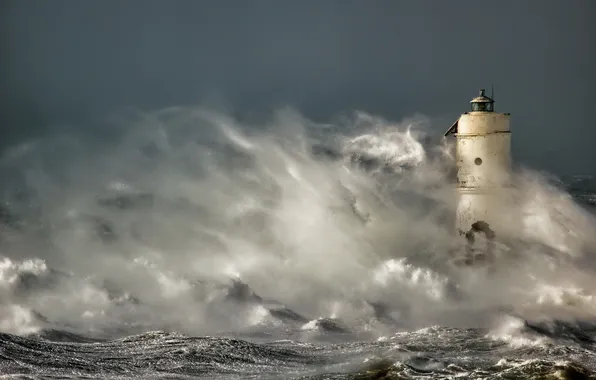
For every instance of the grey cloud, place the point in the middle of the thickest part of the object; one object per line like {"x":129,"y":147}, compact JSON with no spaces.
{"x":66,"y":63}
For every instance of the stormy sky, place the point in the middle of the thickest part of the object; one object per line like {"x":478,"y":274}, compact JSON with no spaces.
{"x":65,"y":64}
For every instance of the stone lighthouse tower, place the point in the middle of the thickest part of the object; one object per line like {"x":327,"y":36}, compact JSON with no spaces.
{"x":483,"y":158}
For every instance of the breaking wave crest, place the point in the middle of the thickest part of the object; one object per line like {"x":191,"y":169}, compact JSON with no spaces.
{"x":198,"y":224}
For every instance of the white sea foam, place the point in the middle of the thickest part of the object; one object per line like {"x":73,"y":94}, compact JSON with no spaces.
{"x":189,"y":199}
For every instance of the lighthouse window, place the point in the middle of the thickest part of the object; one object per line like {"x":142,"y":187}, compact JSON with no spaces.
{"x":478,"y":161}
{"x":478,"y":107}
{"x":482,"y":107}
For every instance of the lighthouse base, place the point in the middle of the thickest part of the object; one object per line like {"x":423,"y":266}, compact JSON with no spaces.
{"x":482,"y":215}
{"x":489,"y":206}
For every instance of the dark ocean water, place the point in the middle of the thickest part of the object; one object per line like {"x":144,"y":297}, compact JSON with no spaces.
{"x":429,"y":353}
{"x":559,"y":350}
{"x":259,"y":258}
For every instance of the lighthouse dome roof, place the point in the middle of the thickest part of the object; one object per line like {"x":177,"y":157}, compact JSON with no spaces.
{"x":482,"y":98}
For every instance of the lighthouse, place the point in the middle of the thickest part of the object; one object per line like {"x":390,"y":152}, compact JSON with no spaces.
{"x":483,"y":160}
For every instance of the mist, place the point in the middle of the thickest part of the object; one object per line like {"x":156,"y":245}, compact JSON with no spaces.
{"x":197,"y":223}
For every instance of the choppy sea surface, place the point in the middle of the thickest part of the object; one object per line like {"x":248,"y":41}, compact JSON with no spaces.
{"x":195,"y":246}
